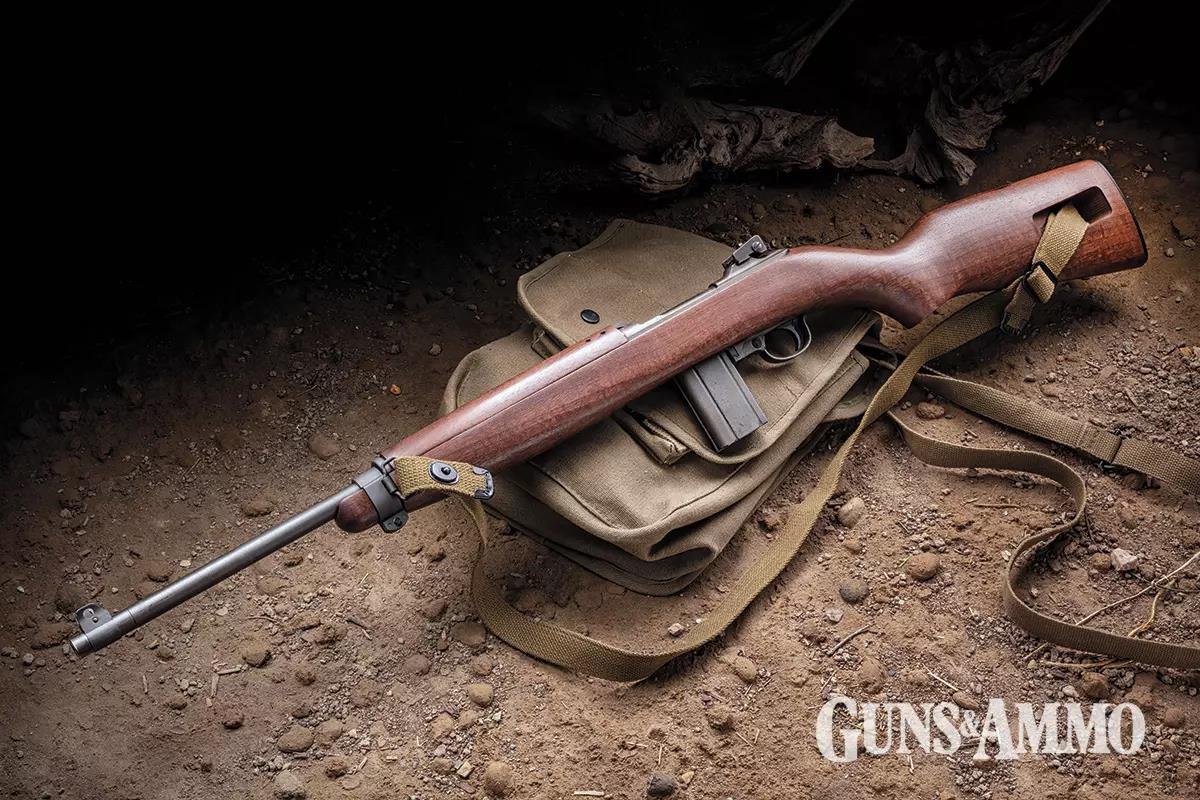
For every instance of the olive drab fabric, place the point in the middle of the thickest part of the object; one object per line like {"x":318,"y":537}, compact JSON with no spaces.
{"x":642,"y":498}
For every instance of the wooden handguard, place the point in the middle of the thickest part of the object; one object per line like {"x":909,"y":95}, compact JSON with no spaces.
{"x":977,"y":244}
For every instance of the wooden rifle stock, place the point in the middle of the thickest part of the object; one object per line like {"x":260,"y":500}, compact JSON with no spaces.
{"x":981,"y":243}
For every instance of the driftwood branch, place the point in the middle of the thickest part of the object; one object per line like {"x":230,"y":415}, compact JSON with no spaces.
{"x":668,"y":148}
{"x":954,"y":94}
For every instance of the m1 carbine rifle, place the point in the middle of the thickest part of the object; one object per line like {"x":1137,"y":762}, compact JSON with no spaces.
{"x":980,"y":243}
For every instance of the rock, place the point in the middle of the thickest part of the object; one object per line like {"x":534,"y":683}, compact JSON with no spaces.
{"x":589,"y":598}
{"x":661,"y":785}
{"x":964,"y":700}
{"x":270,"y":585}
{"x":472,"y":634}
{"x":257,"y":507}
{"x":871,"y":676}
{"x":851,"y":512}
{"x":1094,"y":685}
{"x":417,"y":664}
{"x":329,"y":732}
{"x":144,"y":589}
{"x":834,"y":615}
{"x":66,"y":467}
{"x":305,"y":676}
{"x":305,"y":620}
{"x":366,"y":693}
{"x":1185,"y":227}
{"x":482,"y":665}
{"x":32,"y":429}
{"x":497,"y":778}
{"x":158,"y":570}
{"x":51,"y":634}
{"x":228,"y":440}
{"x":771,"y":520}
{"x":322,"y":446}
{"x":1129,"y":517}
{"x":435,"y":349}
{"x":1142,"y":692}
{"x":296,"y":740}
{"x":853,"y":590}
{"x":1123,"y":560}
{"x":930,"y":411}
{"x":442,"y":724}
{"x":334,"y":767}
{"x":675,"y":629}
{"x":719,"y":718}
{"x":442,"y":765}
{"x":70,"y":597}
{"x":255,"y":652}
{"x":529,"y":600}
{"x":176,"y":702}
{"x":1174,"y":718}
{"x":481,"y":694}
{"x":923,"y":566}
{"x":287,"y":786}
{"x":744,"y":668}
{"x":434,"y":609}
{"x":1101,"y":562}
{"x":1051,"y":389}
{"x":186,"y":624}
{"x":325,"y":634}
{"x":233,"y":720}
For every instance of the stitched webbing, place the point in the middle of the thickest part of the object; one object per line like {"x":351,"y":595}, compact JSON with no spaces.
{"x":1024,"y":415}
{"x":413,"y":474}
{"x":582,"y":653}
{"x":1061,"y":237}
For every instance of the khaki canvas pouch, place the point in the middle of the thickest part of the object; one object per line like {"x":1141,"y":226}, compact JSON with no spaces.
{"x":642,"y":498}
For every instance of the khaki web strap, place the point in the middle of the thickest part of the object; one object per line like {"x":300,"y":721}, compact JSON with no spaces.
{"x":413,"y":474}
{"x":1064,"y":231}
{"x":1024,"y":415}
{"x":584,"y":654}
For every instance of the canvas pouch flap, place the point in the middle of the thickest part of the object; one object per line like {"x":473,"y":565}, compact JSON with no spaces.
{"x":642,"y":498}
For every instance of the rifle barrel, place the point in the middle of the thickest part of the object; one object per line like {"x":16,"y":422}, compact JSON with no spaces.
{"x":99,"y":628}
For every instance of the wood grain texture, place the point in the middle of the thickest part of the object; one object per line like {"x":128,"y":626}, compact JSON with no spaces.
{"x":981,"y":243}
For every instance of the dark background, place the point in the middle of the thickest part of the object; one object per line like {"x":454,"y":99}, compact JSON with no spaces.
{"x":172,"y":172}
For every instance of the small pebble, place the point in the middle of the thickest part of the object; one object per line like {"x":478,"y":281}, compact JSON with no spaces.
{"x":497,"y":778}
{"x":923,"y":566}
{"x":744,"y":668}
{"x":851,"y":512}
{"x":853,"y":590}
{"x":661,"y":785}
{"x":481,"y":694}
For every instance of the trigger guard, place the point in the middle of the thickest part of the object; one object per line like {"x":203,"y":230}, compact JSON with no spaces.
{"x":803,"y":340}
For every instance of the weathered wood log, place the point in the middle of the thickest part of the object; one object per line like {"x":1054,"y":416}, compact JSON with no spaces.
{"x":973,"y":84}
{"x":668,"y":148}
{"x":952,"y":93}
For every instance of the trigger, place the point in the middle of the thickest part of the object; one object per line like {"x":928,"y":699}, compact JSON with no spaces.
{"x":801,"y":338}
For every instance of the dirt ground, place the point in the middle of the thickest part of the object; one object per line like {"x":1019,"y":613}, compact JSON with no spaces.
{"x":347,"y":666}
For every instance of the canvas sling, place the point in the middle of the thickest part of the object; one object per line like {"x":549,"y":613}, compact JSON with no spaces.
{"x":578,"y":499}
